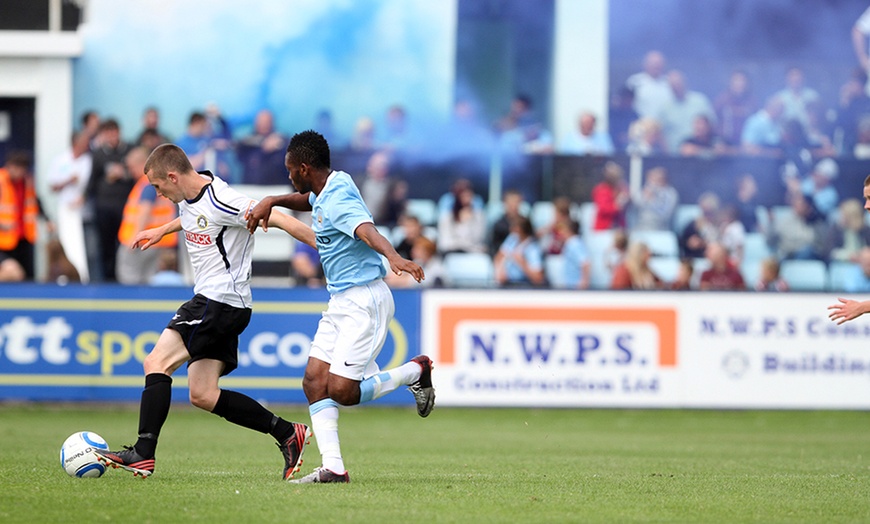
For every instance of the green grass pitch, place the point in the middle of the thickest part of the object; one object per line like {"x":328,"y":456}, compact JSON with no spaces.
{"x":458,"y":465}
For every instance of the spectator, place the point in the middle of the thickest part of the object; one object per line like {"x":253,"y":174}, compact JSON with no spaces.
{"x":861,"y":151}
{"x":860,"y":32}
{"x":656,"y":202}
{"x":519,"y":115}
{"x":261,"y":153}
{"x":610,"y":197}
{"x":577,"y":264}
{"x":520,"y":130}
{"x":195,"y":141}
{"x":722,"y":275}
{"x":107,"y":191}
{"x":819,"y":131}
{"x":463,"y":229}
{"x":645,"y":138}
{"x":323,"y":124}
{"x":307,"y":269}
{"x":819,"y":188}
{"x":412,"y":229}
{"x":634,"y":271}
{"x":379,"y":190}
{"x":465,"y":134}
{"x":850,"y":234}
{"x":704,"y":229}
{"x":552,"y":237}
{"x":167,"y":270}
{"x":150,"y":128}
{"x":426,"y":256}
{"x":150,"y":139}
{"x":90,"y":126}
{"x":68,"y":177}
{"x":762,"y":133}
{"x":796,"y":97}
{"x":678,"y":115}
{"x":519,"y":261}
{"x":397,"y":135}
{"x":219,"y":153}
{"x":801,"y":234}
{"x":144,"y":209}
{"x":858,"y":279}
{"x":512,"y":203}
{"x":586,"y":139}
{"x":733,"y":107}
{"x":854,"y":105}
{"x":732,"y":234}
{"x":768,"y":278}
{"x":447,"y":200}
{"x":614,"y":255}
{"x":620,"y":117}
{"x":364,"y":138}
{"x":650,"y":87}
{"x":19,"y":212}
{"x":703,"y":141}
{"x":747,"y":202}
{"x":683,"y":280}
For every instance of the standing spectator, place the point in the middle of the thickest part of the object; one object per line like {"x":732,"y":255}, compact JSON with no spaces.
{"x":108,"y":188}
{"x":144,"y":210}
{"x":512,"y":202}
{"x":656,"y":202}
{"x":678,"y":115}
{"x":577,"y":265}
{"x":762,"y":133}
{"x":586,"y":139}
{"x":704,"y":229}
{"x":463,"y":229}
{"x":850,"y":234}
{"x":796,"y":96}
{"x":768,"y":276}
{"x":150,"y":128}
{"x":68,"y":177}
{"x":747,"y":202}
{"x":261,"y":153}
{"x":620,"y":117}
{"x":733,"y":107}
{"x":650,"y":87}
{"x":722,"y":275}
{"x":519,"y":261}
{"x":610,"y":197}
{"x":801,"y":234}
{"x":634,"y":271}
{"x":379,"y":190}
{"x":90,"y":121}
{"x":19,"y":212}
{"x":195,"y":140}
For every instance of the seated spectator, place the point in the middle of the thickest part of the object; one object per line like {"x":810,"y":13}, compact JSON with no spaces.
{"x":512,"y":203}
{"x":858,"y":279}
{"x":819,"y":188}
{"x":463,"y":229}
{"x":861,"y":150}
{"x":655,"y":204}
{"x":261,"y":153}
{"x":620,"y":117}
{"x":677,"y":117}
{"x":819,"y":131}
{"x":167,"y":270}
{"x":378,"y":189}
{"x":448,"y":199}
{"x":768,"y":277}
{"x":854,"y":105}
{"x":645,"y":138}
{"x":552,"y":237}
{"x":634,"y":271}
{"x":306,"y":266}
{"x":615,"y":254}
{"x":364,"y":138}
{"x":733,"y":107}
{"x":425,"y":254}
{"x":412,"y":229}
{"x":850,"y":234}
{"x":610,"y":197}
{"x":586,"y":139}
{"x":520,"y":131}
{"x":796,"y":96}
{"x":732,"y":234}
{"x":762,"y":133}
{"x":722,"y":275}
{"x":683,"y":280}
{"x":801,"y":234}
{"x":747,"y":202}
{"x":703,"y":141}
{"x":704,"y":229}
{"x":577,"y":265}
{"x":519,"y":261}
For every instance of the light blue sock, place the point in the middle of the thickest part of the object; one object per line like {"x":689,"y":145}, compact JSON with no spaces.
{"x":379,"y":385}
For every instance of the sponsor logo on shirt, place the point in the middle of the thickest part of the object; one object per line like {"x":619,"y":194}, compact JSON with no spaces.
{"x":201,"y":239}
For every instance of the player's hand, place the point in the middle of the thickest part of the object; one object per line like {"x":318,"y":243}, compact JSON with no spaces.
{"x":402,"y":265}
{"x":259,"y":215}
{"x":146,"y":238}
{"x":846,"y":310}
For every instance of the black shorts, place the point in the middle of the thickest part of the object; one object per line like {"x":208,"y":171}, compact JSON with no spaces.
{"x":211,"y":329}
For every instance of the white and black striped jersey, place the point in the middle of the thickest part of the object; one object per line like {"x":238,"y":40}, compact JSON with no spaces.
{"x":217,"y":238}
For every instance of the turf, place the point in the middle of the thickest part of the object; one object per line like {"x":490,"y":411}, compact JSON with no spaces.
{"x":459,"y":465}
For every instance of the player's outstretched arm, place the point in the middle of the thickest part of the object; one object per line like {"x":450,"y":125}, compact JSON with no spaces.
{"x":295,"y":228}
{"x":256,"y":216}
{"x":847,"y":310}
{"x":369,"y":234}
{"x":147,"y":238}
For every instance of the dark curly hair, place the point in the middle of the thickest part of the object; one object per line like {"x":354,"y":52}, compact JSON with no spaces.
{"x":309,"y":147}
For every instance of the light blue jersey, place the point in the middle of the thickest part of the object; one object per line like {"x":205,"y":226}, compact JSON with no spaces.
{"x":335,"y":214}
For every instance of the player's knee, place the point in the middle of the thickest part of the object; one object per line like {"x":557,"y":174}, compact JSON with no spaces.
{"x":203,"y":399}
{"x":153,"y":364}
{"x":346,"y":396}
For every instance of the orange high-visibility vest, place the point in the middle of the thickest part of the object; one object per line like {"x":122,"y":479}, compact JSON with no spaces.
{"x":10,"y":230}
{"x":162,"y":211}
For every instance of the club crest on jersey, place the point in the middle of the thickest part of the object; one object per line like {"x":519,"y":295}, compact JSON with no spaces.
{"x":320,"y":219}
{"x":201,"y":222}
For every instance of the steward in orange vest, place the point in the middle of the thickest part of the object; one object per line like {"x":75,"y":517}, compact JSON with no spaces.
{"x":19,"y":210}
{"x":162,"y":211}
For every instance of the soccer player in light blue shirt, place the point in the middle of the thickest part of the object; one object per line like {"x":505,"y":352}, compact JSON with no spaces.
{"x":341,"y":365}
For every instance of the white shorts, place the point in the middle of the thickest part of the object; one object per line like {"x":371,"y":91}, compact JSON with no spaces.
{"x":353,"y":329}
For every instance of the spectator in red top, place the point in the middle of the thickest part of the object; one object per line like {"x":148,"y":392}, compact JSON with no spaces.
{"x":610,"y":197}
{"x":722,"y":275}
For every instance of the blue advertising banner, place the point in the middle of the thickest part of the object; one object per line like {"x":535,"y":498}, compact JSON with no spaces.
{"x":88,"y":342}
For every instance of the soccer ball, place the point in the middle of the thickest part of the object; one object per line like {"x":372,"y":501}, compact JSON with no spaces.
{"x":77,"y":457}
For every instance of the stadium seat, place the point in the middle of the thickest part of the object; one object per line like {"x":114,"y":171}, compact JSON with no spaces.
{"x":699,"y":265}
{"x":469,"y":270}
{"x":598,"y":244}
{"x":424,"y":209}
{"x":542,"y":214}
{"x":755,"y":247}
{"x":666,"y":268}
{"x":750,"y":268}
{"x":804,"y":275}
{"x":683,"y":214}
{"x":660,"y":243}
{"x":554,"y":270}
{"x":838,"y":271}
{"x":588,"y":210}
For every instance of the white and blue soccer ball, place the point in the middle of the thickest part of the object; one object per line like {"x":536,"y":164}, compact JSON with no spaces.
{"x":77,"y":455}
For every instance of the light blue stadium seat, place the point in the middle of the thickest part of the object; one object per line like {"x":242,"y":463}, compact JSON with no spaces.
{"x":666,"y":268}
{"x":683,"y":214}
{"x":838,"y":271}
{"x":755,"y":247}
{"x":598,"y":244}
{"x":424,"y":209}
{"x":469,"y":270}
{"x":542,"y":214}
{"x":804,"y":275}
{"x":660,"y":243}
{"x":554,"y":270}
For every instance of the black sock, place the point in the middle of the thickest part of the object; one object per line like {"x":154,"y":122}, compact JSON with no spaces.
{"x":246,"y":412}
{"x":153,"y":409}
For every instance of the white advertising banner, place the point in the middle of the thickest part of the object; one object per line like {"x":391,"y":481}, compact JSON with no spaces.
{"x":640,"y":349}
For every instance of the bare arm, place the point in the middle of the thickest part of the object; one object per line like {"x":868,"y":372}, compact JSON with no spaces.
{"x":294,"y":201}
{"x":847,"y":310}
{"x":369,"y":234}
{"x":147,"y":238}
{"x":293,"y":227}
